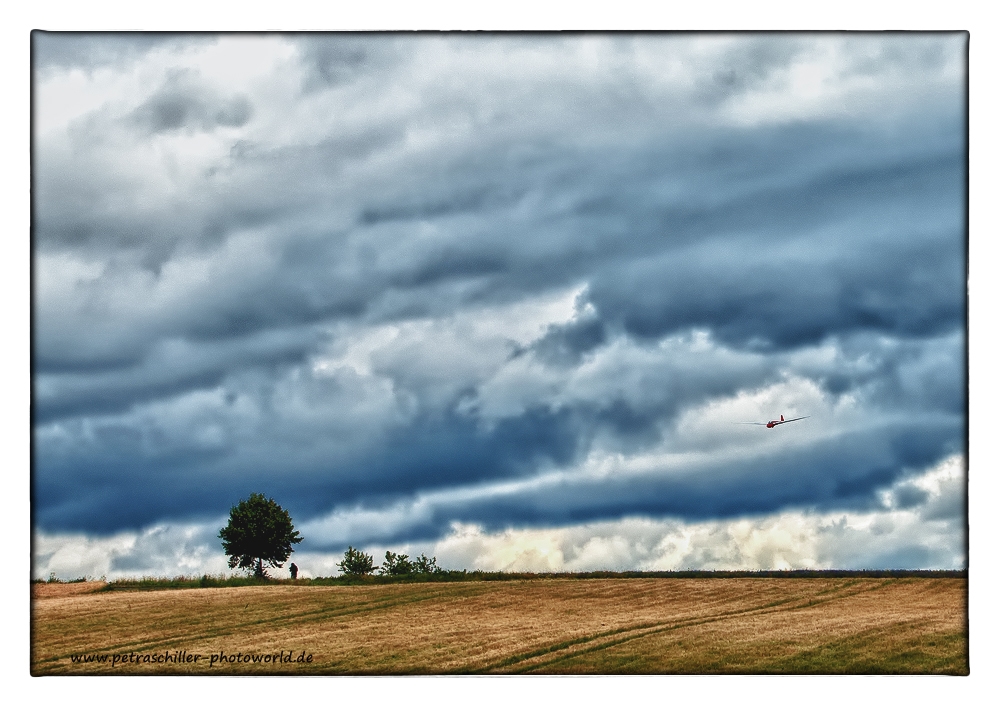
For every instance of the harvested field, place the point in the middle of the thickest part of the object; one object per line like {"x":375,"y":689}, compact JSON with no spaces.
{"x":557,"y":626}
{"x":61,"y":590}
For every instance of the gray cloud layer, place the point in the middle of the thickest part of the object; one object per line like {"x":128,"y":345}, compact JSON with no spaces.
{"x":348,"y":270}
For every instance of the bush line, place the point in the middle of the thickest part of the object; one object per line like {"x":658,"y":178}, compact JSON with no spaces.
{"x":451,"y":576}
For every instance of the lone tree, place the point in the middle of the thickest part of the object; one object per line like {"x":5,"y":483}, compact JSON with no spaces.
{"x":259,"y":532}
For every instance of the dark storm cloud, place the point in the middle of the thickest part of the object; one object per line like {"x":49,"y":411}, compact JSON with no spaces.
{"x":833,"y":474}
{"x":775,"y":281}
{"x":808,"y":251}
{"x":184,"y":307}
{"x":313,"y":472}
{"x":749,"y":65}
{"x":840,"y":474}
{"x":192,"y":480}
{"x":331,"y":60}
{"x":566,"y":343}
{"x":771,"y":190}
{"x":909,"y":495}
{"x":183,"y":103}
{"x":172,"y":368}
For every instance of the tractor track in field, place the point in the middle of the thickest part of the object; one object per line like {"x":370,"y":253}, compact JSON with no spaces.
{"x":548,"y":656}
{"x":277,"y":621}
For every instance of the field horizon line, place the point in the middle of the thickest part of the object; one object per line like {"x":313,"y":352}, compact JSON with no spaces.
{"x":463,"y":575}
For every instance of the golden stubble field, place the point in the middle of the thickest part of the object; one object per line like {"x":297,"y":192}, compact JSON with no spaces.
{"x":556,"y":626}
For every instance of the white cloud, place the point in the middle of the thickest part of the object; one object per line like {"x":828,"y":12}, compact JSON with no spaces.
{"x":789,"y":540}
{"x":161,"y":551}
{"x":845,"y":76}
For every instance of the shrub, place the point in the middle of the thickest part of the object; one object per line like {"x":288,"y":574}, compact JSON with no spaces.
{"x":423,"y":565}
{"x":356,"y":563}
{"x":396,"y":565}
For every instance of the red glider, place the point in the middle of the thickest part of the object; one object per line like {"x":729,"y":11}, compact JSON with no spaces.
{"x":774,"y":422}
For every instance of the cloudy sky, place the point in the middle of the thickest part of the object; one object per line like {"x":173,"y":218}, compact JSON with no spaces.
{"x":505,"y":299}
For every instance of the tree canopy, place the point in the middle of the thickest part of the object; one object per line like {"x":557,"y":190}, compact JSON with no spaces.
{"x":402,"y":565}
{"x":356,"y":563}
{"x":396,"y":564}
{"x":259,"y":532}
{"x":423,"y":565}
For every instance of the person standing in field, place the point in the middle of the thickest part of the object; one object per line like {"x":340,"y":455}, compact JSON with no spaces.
{"x":294,"y":571}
